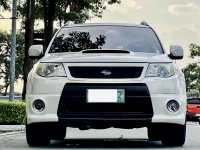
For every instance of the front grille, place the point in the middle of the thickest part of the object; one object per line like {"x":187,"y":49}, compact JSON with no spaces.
{"x":105,"y":72}
{"x":137,"y":100}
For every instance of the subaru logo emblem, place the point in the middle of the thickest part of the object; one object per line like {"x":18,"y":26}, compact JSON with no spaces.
{"x":106,"y":72}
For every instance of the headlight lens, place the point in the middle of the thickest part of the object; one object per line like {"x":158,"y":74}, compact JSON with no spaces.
{"x":50,"y":70}
{"x":160,"y":70}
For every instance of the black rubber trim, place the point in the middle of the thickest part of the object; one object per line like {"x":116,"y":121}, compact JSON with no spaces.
{"x":85,"y":121}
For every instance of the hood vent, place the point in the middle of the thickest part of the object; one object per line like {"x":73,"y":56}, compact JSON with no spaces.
{"x":92,"y":51}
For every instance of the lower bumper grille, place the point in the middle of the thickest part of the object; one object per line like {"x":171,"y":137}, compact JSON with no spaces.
{"x":73,"y":103}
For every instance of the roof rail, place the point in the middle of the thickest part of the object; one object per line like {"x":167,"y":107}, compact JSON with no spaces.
{"x":144,"y":23}
{"x":69,"y":23}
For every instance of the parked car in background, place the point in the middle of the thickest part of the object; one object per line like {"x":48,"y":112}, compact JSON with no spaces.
{"x":193,"y":109}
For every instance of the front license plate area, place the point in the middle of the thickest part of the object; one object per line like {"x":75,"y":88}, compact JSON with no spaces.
{"x":105,"y":96}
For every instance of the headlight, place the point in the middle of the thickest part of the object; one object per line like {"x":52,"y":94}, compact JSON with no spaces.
{"x":50,"y":70}
{"x":160,"y":70}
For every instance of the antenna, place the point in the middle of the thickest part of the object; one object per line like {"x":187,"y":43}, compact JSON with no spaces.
{"x":144,"y":23}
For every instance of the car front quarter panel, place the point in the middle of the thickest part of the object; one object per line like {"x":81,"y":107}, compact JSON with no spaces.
{"x":49,"y":114}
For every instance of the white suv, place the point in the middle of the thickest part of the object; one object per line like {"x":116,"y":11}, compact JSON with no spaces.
{"x":96,"y":76}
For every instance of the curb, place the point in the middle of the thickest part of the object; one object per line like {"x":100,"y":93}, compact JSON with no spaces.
{"x":192,"y":123}
{"x":3,"y":135}
{"x":12,"y":128}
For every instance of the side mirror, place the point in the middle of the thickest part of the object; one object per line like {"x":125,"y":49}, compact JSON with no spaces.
{"x":176,"y":52}
{"x":36,"y":51}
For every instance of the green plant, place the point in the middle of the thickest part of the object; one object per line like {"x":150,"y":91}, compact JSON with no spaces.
{"x":12,"y":112}
{"x":5,"y":46}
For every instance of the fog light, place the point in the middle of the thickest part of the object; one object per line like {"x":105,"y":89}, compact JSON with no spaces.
{"x":38,"y":105}
{"x":173,"y":106}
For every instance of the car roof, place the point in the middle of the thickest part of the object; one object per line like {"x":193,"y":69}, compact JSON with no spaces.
{"x":193,"y":98}
{"x":107,"y":24}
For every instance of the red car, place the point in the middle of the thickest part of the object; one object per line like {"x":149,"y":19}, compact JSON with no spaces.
{"x":193,"y":109}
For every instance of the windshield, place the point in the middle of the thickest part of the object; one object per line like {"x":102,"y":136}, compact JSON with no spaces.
{"x":136,"y":39}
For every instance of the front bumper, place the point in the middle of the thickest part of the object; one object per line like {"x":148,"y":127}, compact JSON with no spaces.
{"x":159,"y":101}
{"x":151,"y":101}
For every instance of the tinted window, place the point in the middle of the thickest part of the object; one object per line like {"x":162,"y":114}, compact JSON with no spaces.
{"x":193,"y":101}
{"x":136,"y":39}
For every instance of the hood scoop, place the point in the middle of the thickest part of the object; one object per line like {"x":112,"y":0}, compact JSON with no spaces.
{"x":103,"y":51}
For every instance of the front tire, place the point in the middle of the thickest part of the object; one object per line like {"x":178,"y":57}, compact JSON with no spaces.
{"x":36,"y":135}
{"x":174,"y":135}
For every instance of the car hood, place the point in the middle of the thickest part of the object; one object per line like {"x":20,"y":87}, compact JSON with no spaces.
{"x":103,"y":58}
